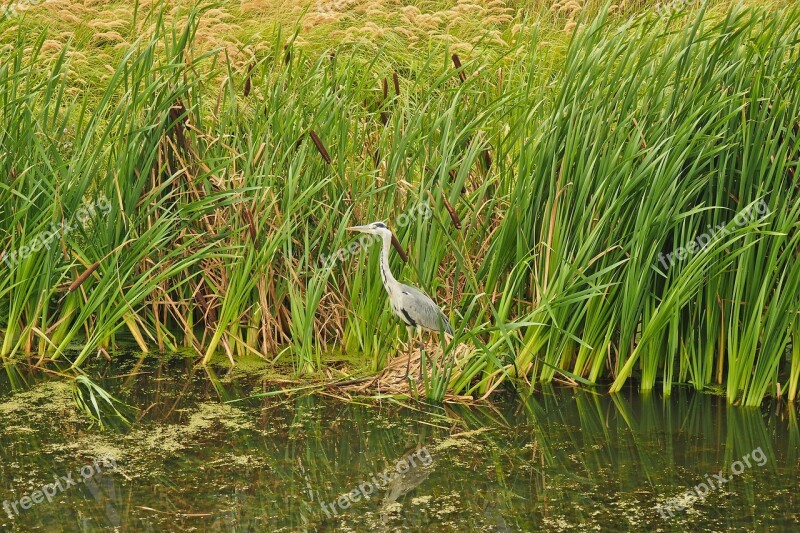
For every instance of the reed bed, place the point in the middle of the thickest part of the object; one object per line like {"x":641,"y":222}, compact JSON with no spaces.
{"x":220,"y":187}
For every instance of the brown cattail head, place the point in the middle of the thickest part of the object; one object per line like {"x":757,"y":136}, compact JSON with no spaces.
{"x":209,"y":313}
{"x":247,"y":84}
{"x":453,"y":215}
{"x":453,"y":177}
{"x":487,"y":159}
{"x":457,"y":63}
{"x":80,"y":279}
{"x":320,"y":147}
{"x":399,"y":248}
{"x":396,"y":81}
{"x":385,"y":89}
{"x":178,"y":118}
{"x":177,"y":111}
{"x":248,"y":219}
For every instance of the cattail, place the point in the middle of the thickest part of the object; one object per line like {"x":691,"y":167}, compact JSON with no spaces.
{"x":247,"y":84}
{"x":80,"y":279}
{"x":457,"y":63}
{"x":248,"y":218}
{"x":320,"y":147}
{"x":399,"y":248}
{"x":453,"y":215}
{"x":396,"y":81}
{"x":177,"y":112}
{"x":208,"y":311}
{"x":384,"y":118}
{"x":385,"y":89}
{"x":177,"y":116}
{"x":487,"y":159}
{"x":452,"y":175}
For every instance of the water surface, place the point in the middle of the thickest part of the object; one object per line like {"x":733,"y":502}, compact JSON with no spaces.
{"x":565,"y":459}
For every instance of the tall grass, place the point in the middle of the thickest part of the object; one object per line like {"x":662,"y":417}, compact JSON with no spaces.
{"x":656,"y":133}
{"x":553,"y":192}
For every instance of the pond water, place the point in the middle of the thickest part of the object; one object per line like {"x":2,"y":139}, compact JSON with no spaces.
{"x":564,"y":459}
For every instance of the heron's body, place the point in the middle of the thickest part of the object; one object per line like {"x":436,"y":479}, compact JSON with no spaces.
{"x":415,"y":308}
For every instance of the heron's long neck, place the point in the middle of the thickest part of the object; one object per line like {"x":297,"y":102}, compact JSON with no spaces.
{"x":386,"y":274}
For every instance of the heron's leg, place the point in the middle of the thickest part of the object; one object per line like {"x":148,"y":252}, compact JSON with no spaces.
{"x":410,"y":330}
{"x":412,"y":334}
{"x":421,"y":360}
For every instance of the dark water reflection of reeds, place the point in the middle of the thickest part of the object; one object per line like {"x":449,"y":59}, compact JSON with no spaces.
{"x":563,"y":459}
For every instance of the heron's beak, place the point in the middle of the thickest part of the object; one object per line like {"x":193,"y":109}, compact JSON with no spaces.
{"x":362,"y":229}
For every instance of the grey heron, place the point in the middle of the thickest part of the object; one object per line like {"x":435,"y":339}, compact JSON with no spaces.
{"x":415,"y":308}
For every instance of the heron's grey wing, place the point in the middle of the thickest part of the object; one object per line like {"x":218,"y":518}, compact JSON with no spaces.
{"x":418,"y":308}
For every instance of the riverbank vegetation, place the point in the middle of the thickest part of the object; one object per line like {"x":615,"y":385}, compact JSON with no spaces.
{"x":569,"y":158}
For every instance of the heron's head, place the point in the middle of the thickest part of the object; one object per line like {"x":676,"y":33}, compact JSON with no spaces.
{"x":376,"y":228}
